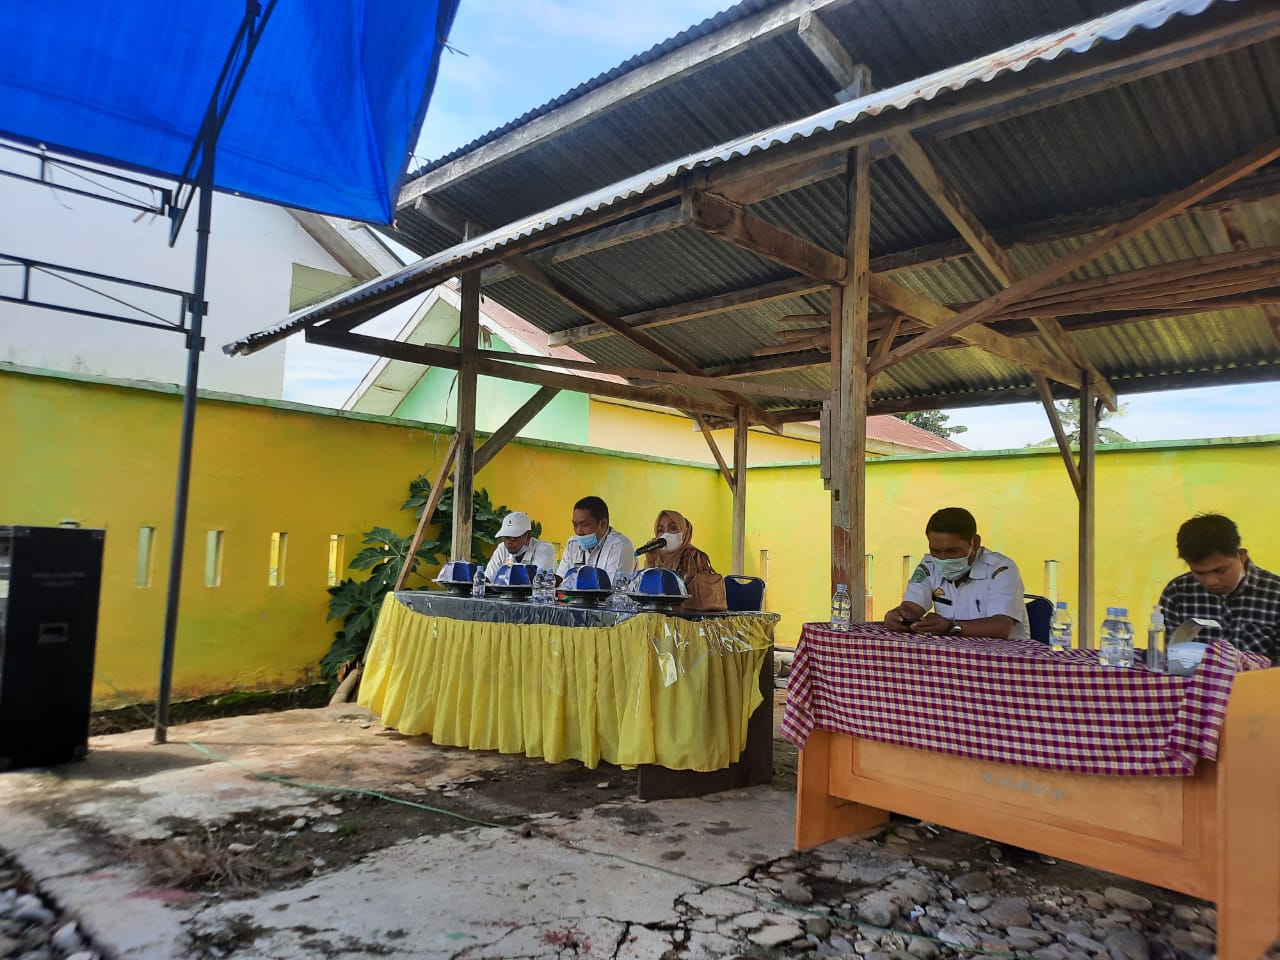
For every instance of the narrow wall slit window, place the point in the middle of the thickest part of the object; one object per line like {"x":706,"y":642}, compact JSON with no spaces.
{"x":279,"y":551}
{"x":146,"y":541}
{"x":335,"y":558}
{"x":213,"y":558}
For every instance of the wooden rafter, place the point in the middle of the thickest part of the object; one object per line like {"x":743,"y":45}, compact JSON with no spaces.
{"x":750,"y":232}
{"x":449,"y":358}
{"x":935,"y":315}
{"x":732,"y":223}
{"x":692,"y":309}
{"x":1041,"y":278}
{"x":540,"y":278}
{"x":993,"y":257}
{"x":656,"y":376}
{"x":883,"y":345}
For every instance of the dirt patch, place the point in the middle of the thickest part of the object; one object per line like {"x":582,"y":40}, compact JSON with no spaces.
{"x":266,"y":849}
{"x":139,"y":716}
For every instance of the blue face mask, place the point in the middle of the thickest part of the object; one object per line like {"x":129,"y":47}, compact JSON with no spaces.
{"x":588,"y":541}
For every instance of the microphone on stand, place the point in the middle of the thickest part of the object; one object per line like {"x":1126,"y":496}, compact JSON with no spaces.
{"x":652,"y":545}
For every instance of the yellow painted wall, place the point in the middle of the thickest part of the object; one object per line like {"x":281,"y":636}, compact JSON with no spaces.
{"x":612,"y":426}
{"x":1025,"y":507}
{"x":106,"y":455}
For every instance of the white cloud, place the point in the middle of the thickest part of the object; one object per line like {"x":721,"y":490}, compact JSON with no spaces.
{"x":1243,"y":410}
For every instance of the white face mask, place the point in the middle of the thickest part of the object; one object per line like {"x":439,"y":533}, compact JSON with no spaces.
{"x":517,"y":554}
{"x":673,"y":541}
{"x":952,"y":568}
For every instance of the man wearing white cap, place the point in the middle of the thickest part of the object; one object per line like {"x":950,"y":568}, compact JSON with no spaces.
{"x":517,"y":544}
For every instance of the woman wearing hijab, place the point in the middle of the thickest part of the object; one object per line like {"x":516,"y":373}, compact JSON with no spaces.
{"x":706,"y":587}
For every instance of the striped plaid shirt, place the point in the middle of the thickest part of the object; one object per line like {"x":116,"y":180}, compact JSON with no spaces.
{"x":1250,"y":614}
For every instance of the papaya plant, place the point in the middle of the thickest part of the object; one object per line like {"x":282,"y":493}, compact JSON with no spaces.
{"x":357,"y":602}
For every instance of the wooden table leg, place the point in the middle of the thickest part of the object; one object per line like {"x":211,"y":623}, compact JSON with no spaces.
{"x":819,"y":816}
{"x":1249,"y":821}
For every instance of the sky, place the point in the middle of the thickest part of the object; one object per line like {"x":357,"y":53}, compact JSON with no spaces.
{"x":510,"y":56}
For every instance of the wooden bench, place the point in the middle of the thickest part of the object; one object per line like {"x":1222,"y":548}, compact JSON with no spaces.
{"x":1213,"y":835}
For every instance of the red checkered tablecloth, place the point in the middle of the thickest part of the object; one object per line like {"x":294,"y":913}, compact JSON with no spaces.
{"x":1012,"y":701}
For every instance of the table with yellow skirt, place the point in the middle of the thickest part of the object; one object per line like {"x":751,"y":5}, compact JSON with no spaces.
{"x":686,"y":698}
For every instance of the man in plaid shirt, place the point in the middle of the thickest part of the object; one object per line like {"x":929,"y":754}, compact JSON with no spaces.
{"x":1224,"y":585}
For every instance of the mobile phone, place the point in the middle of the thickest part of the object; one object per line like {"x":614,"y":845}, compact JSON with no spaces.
{"x":908,"y":621}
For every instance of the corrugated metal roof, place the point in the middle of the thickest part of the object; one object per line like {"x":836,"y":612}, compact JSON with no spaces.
{"x":1107,"y":150}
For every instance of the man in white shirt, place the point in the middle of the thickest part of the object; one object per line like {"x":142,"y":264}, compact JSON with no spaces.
{"x":595,"y":543}
{"x":517,"y":544}
{"x":973,"y":591}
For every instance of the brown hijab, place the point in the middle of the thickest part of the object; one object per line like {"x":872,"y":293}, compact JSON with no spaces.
{"x":686,"y":559}
{"x":706,"y":587}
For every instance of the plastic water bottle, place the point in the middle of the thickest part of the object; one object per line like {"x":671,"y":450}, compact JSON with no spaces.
{"x":1157,"y":651}
{"x":618,"y":599}
{"x":477,"y":585}
{"x":841,"y":608}
{"x":1117,"y":639}
{"x":548,"y":585}
{"x":1060,"y":631}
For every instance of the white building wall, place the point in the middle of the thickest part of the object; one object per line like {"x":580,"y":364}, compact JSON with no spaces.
{"x":253,"y":247}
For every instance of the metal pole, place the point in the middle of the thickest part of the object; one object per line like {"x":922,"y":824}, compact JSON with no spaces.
{"x":195,"y":344}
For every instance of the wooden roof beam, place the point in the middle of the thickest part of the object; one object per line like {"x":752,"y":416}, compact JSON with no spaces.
{"x":730,"y":222}
{"x":935,"y":315}
{"x":746,"y":230}
{"x":543,"y":280}
{"x":1038,"y":280}
{"x":702,"y":382}
{"x":449,"y":358}
{"x":692,"y":309}
{"x":993,"y":257}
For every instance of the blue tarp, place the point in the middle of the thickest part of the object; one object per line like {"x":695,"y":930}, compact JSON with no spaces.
{"x":330,"y":106}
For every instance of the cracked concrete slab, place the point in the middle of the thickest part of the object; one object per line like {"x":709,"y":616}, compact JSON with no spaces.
{"x":610,"y":876}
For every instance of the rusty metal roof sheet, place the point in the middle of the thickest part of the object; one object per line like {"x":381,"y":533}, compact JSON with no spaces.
{"x":1134,"y":141}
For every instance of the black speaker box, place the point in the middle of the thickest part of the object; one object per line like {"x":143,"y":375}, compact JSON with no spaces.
{"x":49,"y":583}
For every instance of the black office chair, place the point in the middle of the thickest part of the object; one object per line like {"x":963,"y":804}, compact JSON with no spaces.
{"x":743,"y":593}
{"x":1039,"y":616}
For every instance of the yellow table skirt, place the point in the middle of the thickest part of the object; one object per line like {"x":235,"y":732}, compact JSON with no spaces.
{"x":653,"y":689}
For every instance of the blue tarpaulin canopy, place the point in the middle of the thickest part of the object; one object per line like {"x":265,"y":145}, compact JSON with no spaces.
{"x":330,"y":104}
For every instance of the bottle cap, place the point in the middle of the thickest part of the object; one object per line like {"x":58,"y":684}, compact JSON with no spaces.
{"x":1062,"y":605}
{"x":1117,"y":611}
{"x":842,"y":586}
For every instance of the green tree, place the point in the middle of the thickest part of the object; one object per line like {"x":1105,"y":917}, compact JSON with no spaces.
{"x":935,"y":421}
{"x":1069,"y":414}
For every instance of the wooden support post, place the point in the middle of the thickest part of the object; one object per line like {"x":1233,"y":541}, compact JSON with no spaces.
{"x":464,"y":473}
{"x":848,"y":506}
{"x":428,"y":510}
{"x":1088,"y":499}
{"x":515,"y":423}
{"x":740,"y":425}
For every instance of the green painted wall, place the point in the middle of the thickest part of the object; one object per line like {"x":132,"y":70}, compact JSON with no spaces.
{"x":434,"y":399}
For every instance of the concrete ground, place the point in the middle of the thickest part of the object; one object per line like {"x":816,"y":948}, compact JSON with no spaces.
{"x":563,"y":861}
{"x":318,"y":833}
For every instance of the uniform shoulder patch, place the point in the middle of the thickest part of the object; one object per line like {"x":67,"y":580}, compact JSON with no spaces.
{"x":920,"y":575}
